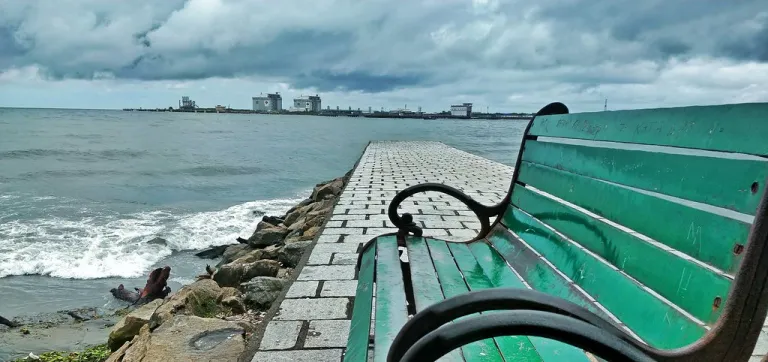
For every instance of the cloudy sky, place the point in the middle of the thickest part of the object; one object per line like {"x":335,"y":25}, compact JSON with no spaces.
{"x":508,"y":55}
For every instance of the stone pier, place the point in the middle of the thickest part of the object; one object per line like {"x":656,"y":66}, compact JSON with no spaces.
{"x":312,"y":322}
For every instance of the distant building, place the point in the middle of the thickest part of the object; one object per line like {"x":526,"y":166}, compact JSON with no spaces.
{"x":270,"y":103}
{"x":307,"y":104}
{"x":220,"y":108}
{"x":462,"y":110}
{"x":186,"y":103}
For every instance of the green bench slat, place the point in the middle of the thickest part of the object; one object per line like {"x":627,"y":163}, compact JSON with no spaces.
{"x":391,"y":309}
{"x":683,"y":282}
{"x":360,"y":327}
{"x":426,"y":287}
{"x":658,"y":323}
{"x":535,"y":272}
{"x":715,"y":181}
{"x":731,"y":128}
{"x":453,"y":284}
{"x":707,"y":237}
{"x":513,"y":348}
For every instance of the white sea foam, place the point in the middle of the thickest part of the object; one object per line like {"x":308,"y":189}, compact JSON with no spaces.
{"x":116,"y":246}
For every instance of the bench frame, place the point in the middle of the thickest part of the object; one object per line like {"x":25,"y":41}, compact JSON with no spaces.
{"x":733,"y":336}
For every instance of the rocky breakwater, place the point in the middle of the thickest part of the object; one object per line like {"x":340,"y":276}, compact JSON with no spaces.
{"x":213,"y":318}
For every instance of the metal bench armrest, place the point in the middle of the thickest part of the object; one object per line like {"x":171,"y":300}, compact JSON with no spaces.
{"x":573,"y":331}
{"x":445,"y":312}
{"x":406,"y":225}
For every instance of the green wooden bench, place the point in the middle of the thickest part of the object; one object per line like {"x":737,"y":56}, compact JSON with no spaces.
{"x":627,"y":235}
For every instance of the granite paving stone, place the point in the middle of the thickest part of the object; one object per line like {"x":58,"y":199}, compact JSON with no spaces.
{"x":313,"y":308}
{"x":327,"y":272}
{"x":339,"y":288}
{"x":281,"y":335}
{"x":308,"y":355}
{"x":302,"y":289}
{"x":327,"y":333}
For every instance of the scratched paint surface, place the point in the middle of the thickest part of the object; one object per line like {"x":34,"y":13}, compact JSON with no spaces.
{"x":656,"y":322}
{"x":453,"y":284}
{"x":688,"y":285}
{"x":391,"y":311}
{"x":715,"y":181}
{"x":732,"y":128}
{"x":705,"y":236}
{"x":426,"y":286}
{"x":493,"y":272}
{"x":357,"y":344}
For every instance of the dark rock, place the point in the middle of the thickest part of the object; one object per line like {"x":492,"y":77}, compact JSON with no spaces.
{"x":212,"y":253}
{"x":8,"y":323}
{"x":263,"y":225}
{"x":241,"y":240}
{"x":272,"y":220}
{"x":231,"y":275}
{"x":158,"y":241}
{"x":262,"y":291}
{"x":234,"y":252}
{"x":290,"y":255}
{"x":124,"y":294}
{"x":268,"y":236}
{"x":234,"y":304}
{"x":78,"y":316}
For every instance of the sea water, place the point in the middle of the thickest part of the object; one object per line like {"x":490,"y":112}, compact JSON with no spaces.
{"x":82,"y":191}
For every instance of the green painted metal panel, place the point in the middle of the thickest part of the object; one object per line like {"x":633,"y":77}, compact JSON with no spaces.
{"x":732,"y":128}
{"x":426,"y":286}
{"x":360,"y":327}
{"x":391,"y":310}
{"x":658,"y":323}
{"x":534,"y":271}
{"x":707,"y":237}
{"x":453,"y":284}
{"x":715,"y":181}
{"x":513,"y":348}
{"x":683,"y":282}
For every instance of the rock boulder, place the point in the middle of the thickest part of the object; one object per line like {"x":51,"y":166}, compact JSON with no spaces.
{"x":262,"y":291}
{"x":267,"y":236}
{"x":131,"y":324}
{"x":232,"y":274}
{"x":291,"y":253}
{"x":199,"y":298}
{"x":187,"y":338}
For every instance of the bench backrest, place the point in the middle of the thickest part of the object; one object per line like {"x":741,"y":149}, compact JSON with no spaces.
{"x":649,"y":212}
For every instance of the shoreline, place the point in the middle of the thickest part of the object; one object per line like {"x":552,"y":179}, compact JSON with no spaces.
{"x":248,"y":277}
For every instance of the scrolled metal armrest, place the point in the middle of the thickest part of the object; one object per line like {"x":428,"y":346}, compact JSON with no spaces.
{"x":405,"y":223}
{"x":446,"y":311}
{"x":575,"y":332}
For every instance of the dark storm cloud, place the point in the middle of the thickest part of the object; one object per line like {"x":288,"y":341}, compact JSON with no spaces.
{"x":379,"y":46}
{"x":373,"y":83}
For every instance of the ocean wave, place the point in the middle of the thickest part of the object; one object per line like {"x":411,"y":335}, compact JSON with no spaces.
{"x":113,"y":154}
{"x":116,"y":246}
{"x":216,"y":170}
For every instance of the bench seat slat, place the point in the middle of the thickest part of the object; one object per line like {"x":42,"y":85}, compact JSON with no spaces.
{"x":453,"y":284}
{"x":715,"y":181}
{"x":513,"y":348}
{"x":360,"y":327}
{"x":426,"y":287}
{"x":656,"y":322}
{"x":391,"y":309}
{"x":707,"y":237}
{"x":683,"y":282}
{"x":730,"y":128}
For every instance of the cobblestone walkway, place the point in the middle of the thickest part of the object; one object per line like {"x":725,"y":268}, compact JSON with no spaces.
{"x":313,"y":322}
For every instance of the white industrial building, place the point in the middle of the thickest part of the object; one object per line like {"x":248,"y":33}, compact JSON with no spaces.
{"x":269,"y":103}
{"x":307,"y":104}
{"x":461,"y":110}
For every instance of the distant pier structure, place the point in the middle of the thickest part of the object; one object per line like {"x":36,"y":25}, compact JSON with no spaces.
{"x":186,"y":103}
{"x":308,"y":104}
{"x":461,"y":110}
{"x":272,"y":102}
